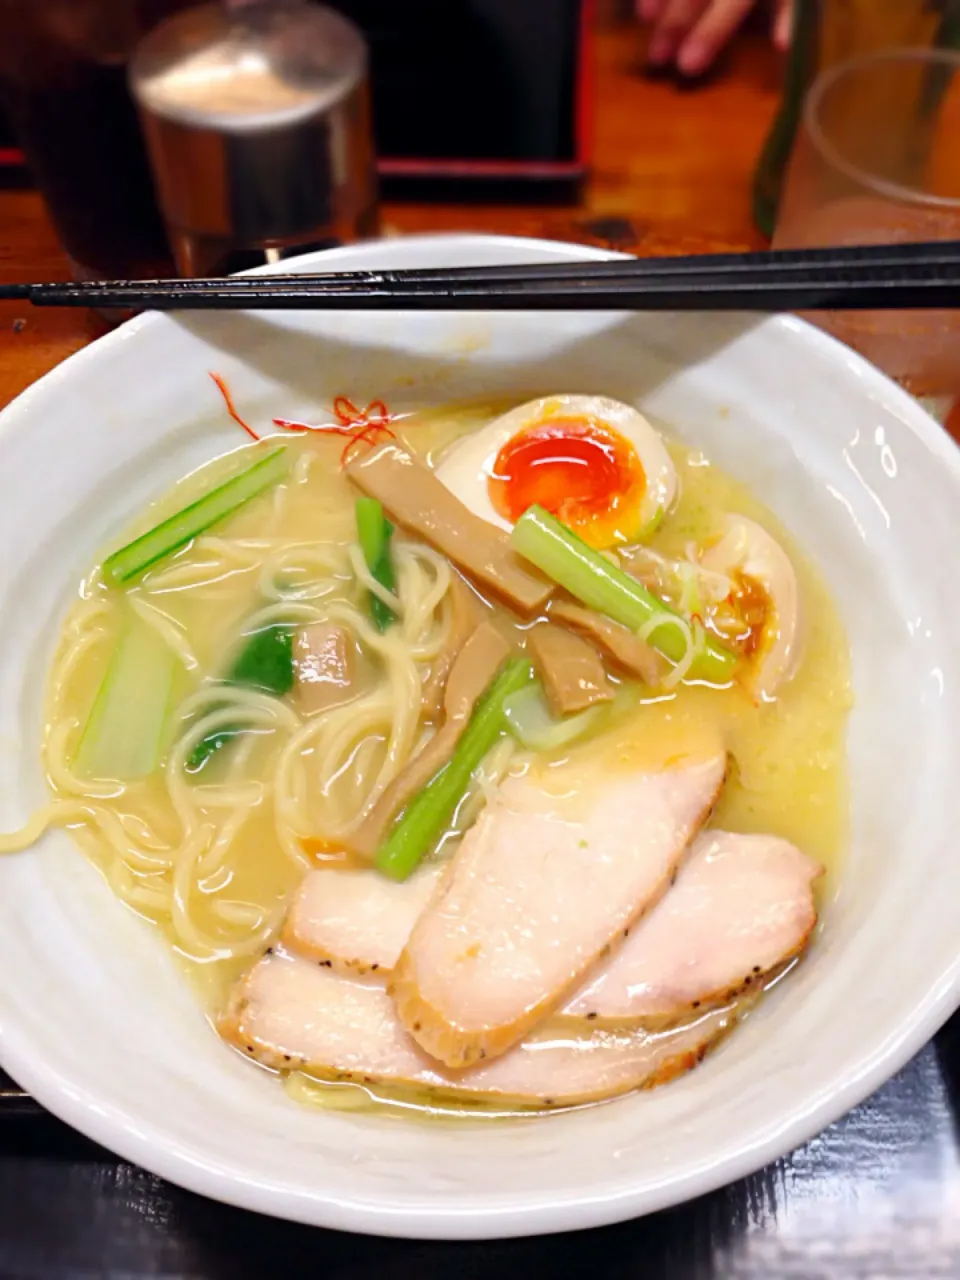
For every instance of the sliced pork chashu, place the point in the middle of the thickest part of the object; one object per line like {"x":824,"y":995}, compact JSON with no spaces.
{"x":741,"y":908}
{"x":357,"y":921}
{"x":539,"y":890}
{"x":291,"y":1013}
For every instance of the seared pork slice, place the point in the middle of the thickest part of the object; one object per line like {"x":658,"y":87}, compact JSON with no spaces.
{"x":742,"y":907}
{"x":357,"y":921}
{"x":540,"y":889}
{"x":289,"y":1013}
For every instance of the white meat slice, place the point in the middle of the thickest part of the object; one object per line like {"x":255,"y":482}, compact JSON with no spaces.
{"x":357,"y":921}
{"x":741,"y":908}
{"x":540,"y":889}
{"x":289,"y":1013}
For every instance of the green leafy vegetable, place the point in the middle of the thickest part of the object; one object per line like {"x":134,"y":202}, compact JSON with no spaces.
{"x":428,"y":815}
{"x":534,"y":726}
{"x":124,"y":735}
{"x":177,"y":530}
{"x":265,"y":662}
{"x":540,"y":538}
{"x":374,"y":531}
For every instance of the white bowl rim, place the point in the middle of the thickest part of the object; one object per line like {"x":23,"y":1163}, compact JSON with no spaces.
{"x":145,"y":1144}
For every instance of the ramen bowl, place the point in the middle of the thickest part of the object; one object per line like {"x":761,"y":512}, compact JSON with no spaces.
{"x":97,"y":1021}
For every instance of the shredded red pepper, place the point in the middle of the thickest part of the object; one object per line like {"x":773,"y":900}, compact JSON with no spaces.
{"x":345,"y":411}
{"x":331,"y":428}
{"x":368,"y":435}
{"x":231,"y":408}
{"x":357,"y":426}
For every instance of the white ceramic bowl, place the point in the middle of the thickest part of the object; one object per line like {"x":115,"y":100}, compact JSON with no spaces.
{"x":95,"y":1020}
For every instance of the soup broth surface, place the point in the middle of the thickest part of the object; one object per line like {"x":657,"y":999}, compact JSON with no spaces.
{"x":287,"y":555}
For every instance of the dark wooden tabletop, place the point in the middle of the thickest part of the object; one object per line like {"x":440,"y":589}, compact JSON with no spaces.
{"x":875,"y":1197}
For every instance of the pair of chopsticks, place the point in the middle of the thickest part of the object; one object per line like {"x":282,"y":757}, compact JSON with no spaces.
{"x":876,"y":277}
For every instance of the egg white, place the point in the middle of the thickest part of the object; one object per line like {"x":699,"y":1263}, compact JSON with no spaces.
{"x":747,"y":548}
{"x":467,"y":468}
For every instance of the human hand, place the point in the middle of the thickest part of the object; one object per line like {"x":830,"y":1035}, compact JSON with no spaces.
{"x":690,"y":33}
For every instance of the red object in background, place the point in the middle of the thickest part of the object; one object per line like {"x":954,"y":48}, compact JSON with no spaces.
{"x":472,"y":90}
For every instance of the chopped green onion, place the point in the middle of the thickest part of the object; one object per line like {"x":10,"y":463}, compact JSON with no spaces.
{"x":530,"y":721}
{"x":428,"y":815}
{"x":691,"y":600}
{"x":265,"y":662}
{"x":540,"y":538}
{"x":124,"y":735}
{"x":176,"y":531}
{"x":374,"y":531}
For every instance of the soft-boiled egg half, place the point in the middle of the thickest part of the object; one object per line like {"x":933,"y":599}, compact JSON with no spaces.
{"x":765,"y":597}
{"x":596,"y":464}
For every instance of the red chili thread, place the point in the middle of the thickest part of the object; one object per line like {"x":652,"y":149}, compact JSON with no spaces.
{"x":359,"y":426}
{"x":370,"y":434}
{"x":231,"y":408}
{"x":323,"y":428}
{"x":364,"y":436}
{"x":289,"y":425}
{"x":346,"y":411}
{"x":366,"y":425}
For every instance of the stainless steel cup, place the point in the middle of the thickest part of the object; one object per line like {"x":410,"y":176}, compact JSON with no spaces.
{"x":257,"y":120}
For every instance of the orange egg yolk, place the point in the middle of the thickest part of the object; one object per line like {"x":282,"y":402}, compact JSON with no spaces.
{"x":583,"y":472}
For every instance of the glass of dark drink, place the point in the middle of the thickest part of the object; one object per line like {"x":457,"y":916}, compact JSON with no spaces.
{"x":63,"y":87}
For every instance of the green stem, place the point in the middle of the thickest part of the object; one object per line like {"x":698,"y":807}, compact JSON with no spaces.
{"x":428,"y":815}
{"x":124,"y":735}
{"x":177,"y":530}
{"x":540,"y":538}
{"x":531,"y":722}
{"x":374,"y":531}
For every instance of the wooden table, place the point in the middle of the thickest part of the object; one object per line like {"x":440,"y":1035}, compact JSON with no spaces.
{"x":875,"y":1196}
{"x":671,"y":169}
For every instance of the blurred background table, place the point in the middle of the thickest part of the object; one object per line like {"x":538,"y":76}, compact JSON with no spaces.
{"x":876,"y":1196}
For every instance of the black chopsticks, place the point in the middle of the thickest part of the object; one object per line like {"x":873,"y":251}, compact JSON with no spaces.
{"x":904,"y":276}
